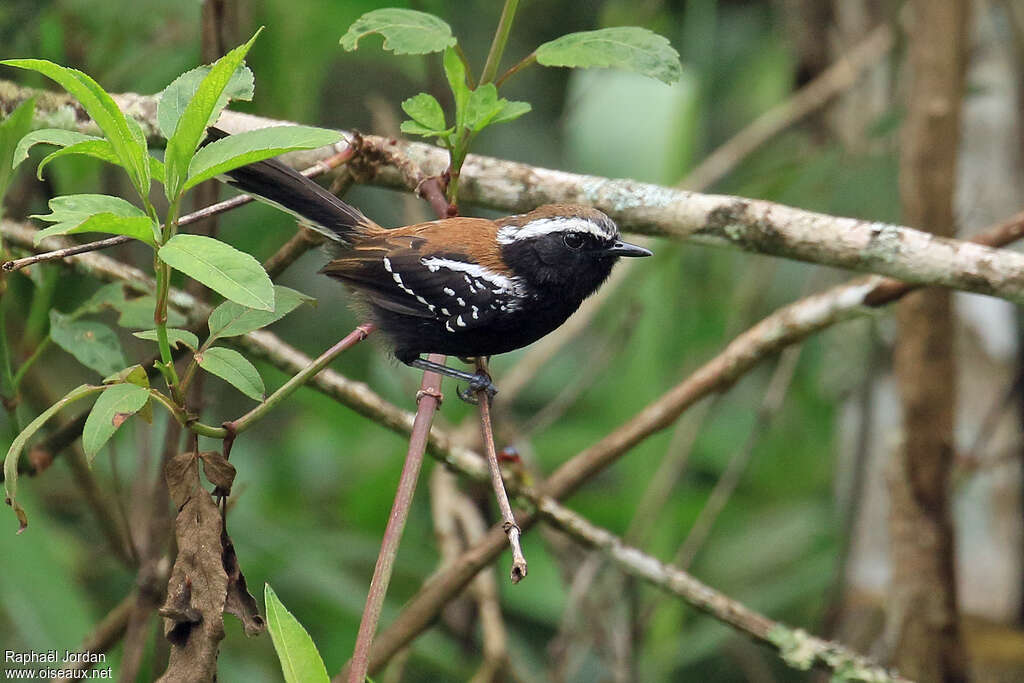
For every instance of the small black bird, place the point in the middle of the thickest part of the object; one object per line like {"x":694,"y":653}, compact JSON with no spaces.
{"x":466,"y":287}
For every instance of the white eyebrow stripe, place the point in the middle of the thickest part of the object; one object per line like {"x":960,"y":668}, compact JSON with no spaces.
{"x":473,"y":270}
{"x":546,"y":226}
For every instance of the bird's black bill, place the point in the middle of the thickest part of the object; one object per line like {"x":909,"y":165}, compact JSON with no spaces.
{"x":621,"y":248}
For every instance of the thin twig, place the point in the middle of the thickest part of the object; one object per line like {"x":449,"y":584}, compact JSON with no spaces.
{"x":428,"y":399}
{"x":508,"y":520}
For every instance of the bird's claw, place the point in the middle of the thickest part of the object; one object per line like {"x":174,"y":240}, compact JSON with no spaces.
{"x":479,"y":381}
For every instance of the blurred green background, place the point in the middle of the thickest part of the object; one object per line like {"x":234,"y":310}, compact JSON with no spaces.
{"x":315,"y":481}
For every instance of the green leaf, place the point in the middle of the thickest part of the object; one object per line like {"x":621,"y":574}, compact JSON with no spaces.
{"x":93,"y":344}
{"x":413,"y":128}
{"x":233,"y":368}
{"x":232,"y":320}
{"x":136,"y":227}
{"x":176,"y":96}
{"x":455,"y":72}
{"x":175,"y":337}
{"x":137,"y":313}
{"x":624,"y":47}
{"x":182,"y":144}
{"x":425,"y":110}
{"x":405,"y":31}
{"x":231,"y":273}
{"x":96,"y":213}
{"x":13,"y":129}
{"x":300,"y":660}
{"x":485,"y":108}
{"x":49,"y":136}
{"x":251,"y":146}
{"x":98,"y":149}
{"x":78,"y":207}
{"x":14,"y":452}
{"x":112,"y":408}
{"x":512,"y":110}
{"x":103,"y":110}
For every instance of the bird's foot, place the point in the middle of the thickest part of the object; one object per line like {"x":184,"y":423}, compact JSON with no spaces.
{"x":479,"y":381}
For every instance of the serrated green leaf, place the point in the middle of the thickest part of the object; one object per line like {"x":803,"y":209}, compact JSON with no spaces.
{"x":112,"y":408}
{"x":176,"y":96}
{"x":102,"y":109}
{"x":13,"y":129}
{"x":98,"y":149}
{"x":511,"y":111}
{"x":623,"y":47}
{"x":93,"y":344}
{"x":137,"y":313}
{"x":231,"y":320}
{"x":78,"y":207}
{"x":175,"y":337}
{"x":300,"y":660}
{"x":405,"y":31}
{"x":425,"y":110}
{"x":14,"y":452}
{"x":233,"y":368}
{"x":182,"y":144}
{"x":49,"y":136}
{"x":136,"y":227}
{"x":231,"y":273}
{"x":251,"y":146}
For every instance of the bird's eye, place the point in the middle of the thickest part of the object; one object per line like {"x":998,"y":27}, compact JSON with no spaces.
{"x":573,"y":240}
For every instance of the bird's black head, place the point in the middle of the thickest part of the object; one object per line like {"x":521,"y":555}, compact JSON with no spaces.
{"x":563,"y":246}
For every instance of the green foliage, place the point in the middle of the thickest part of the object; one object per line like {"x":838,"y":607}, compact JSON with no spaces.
{"x":175,"y":337}
{"x":231,"y":273}
{"x":96,"y":213}
{"x":231,"y":319}
{"x":92,"y":343}
{"x":233,"y":368}
{"x":300,"y":660}
{"x":405,"y":31}
{"x":623,"y":47}
{"x":252,"y":146}
{"x":176,"y":96}
{"x":476,"y":108}
{"x":112,"y":408}
{"x":126,"y":140}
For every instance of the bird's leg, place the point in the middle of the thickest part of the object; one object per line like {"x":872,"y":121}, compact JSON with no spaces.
{"x":477,"y":381}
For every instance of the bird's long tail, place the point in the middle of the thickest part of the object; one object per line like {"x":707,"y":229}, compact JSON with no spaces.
{"x":273,"y":182}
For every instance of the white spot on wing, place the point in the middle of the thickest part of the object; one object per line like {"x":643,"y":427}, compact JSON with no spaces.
{"x":475,"y":271}
{"x":460,"y":322}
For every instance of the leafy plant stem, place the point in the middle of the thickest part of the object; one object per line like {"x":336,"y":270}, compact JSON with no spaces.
{"x":163,"y":286}
{"x":458,"y":156}
{"x":10,"y":386}
{"x":508,"y":14}
{"x":516,"y":68}
{"x":357,"y":335}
